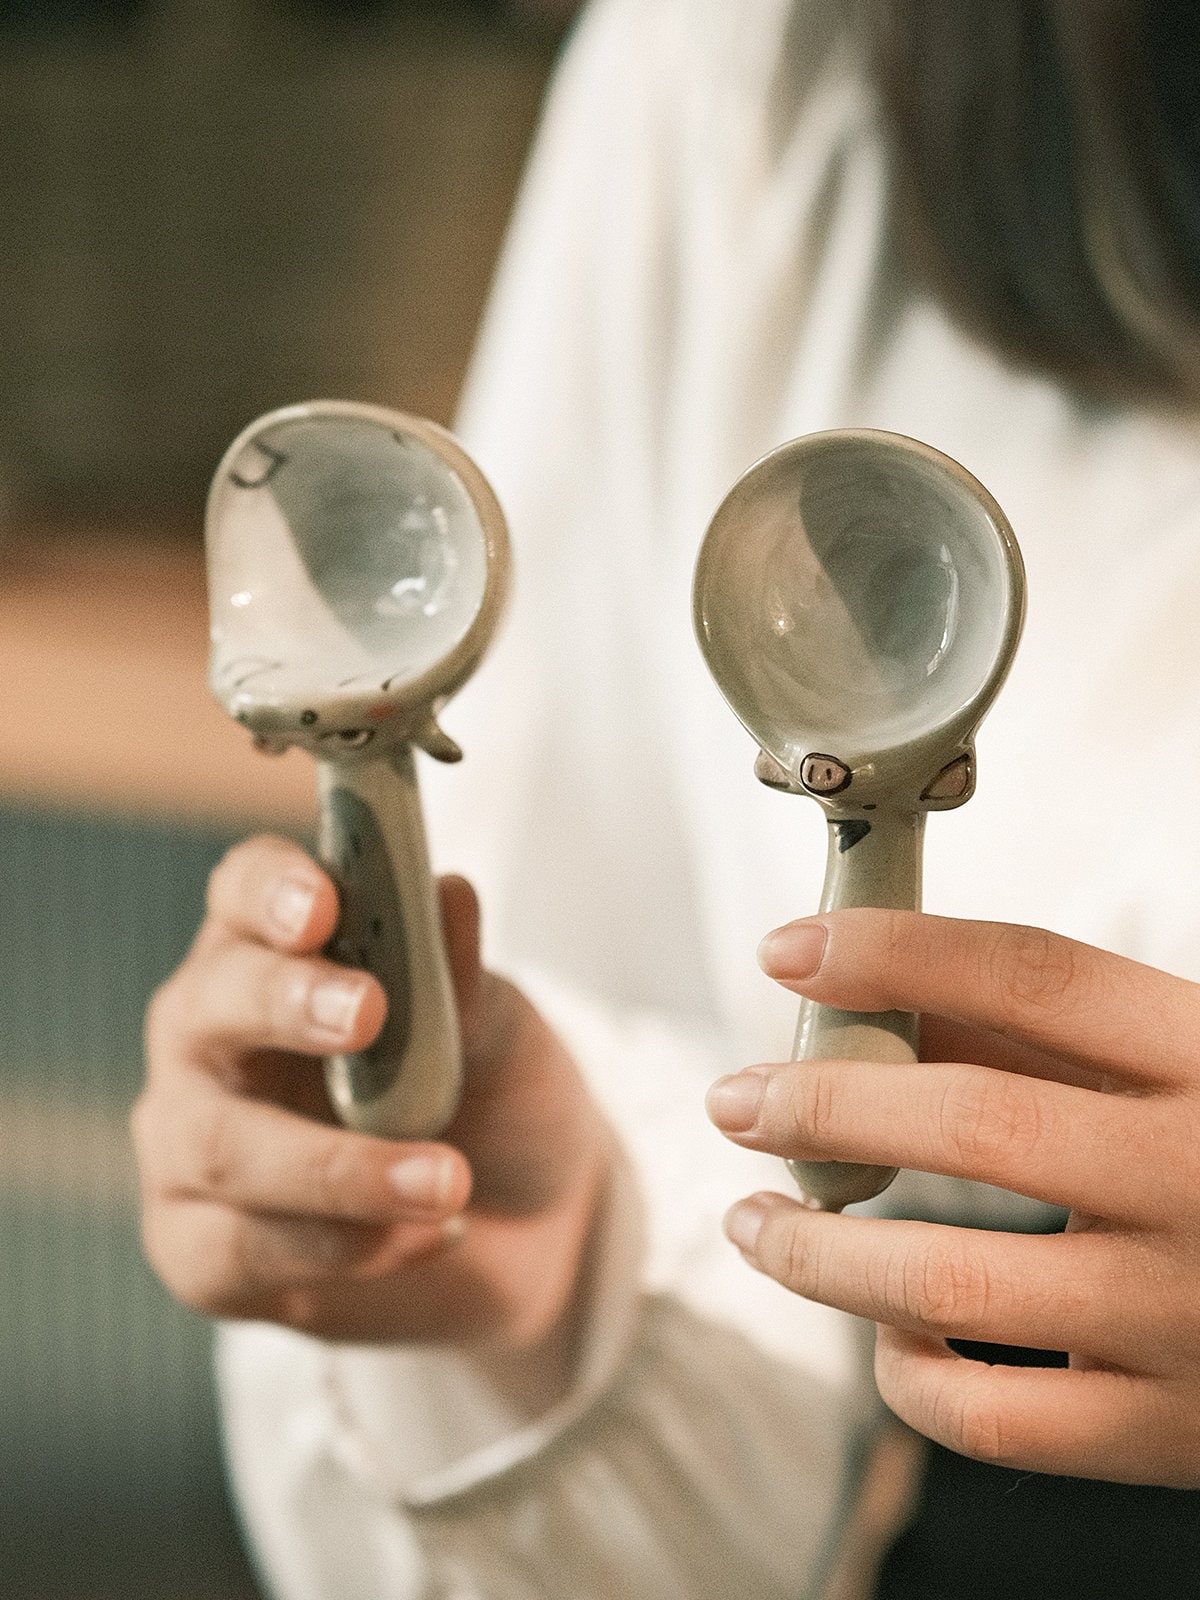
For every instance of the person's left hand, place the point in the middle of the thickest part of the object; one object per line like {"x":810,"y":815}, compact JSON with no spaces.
{"x":1054,"y":1070}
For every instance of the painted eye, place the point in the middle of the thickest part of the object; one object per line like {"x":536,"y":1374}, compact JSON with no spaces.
{"x":350,"y":738}
{"x":824,"y":775}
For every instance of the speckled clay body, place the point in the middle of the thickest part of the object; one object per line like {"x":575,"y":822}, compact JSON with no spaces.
{"x":858,"y":599}
{"x":358,"y":562}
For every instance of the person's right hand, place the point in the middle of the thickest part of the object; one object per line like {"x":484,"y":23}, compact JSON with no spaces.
{"x":257,"y":1204}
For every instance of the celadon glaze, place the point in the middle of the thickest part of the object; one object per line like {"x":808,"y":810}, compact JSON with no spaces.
{"x":859,"y":598}
{"x":357,"y":565}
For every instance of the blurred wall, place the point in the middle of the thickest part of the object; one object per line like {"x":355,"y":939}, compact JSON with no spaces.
{"x":216,"y":206}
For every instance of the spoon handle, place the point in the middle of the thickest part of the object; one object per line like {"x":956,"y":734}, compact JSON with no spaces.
{"x":875,"y":862}
{"x":372,"y":840}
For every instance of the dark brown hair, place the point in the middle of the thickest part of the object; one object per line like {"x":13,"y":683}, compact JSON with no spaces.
{"x":1047,"y":158}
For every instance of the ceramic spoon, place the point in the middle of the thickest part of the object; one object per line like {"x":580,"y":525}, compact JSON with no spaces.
{"x":357,"y":565}
{"x":858,"y":599}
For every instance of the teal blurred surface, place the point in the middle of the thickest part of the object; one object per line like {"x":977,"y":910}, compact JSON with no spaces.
{"x":111,"y":1480}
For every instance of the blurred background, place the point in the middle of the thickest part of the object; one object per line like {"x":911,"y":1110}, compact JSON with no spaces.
{"x":211,"y":207}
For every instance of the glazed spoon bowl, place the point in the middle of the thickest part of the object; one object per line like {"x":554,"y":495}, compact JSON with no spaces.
{"x":358,"y":563}
{"x":858,"y":599}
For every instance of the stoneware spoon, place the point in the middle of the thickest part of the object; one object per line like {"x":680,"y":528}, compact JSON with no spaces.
{"x":858,"y":599}
{"x":357,"y":564}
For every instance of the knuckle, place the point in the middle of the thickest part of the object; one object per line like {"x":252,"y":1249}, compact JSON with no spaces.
{"x":249,"y":1258}
{"x":263,"y":998}
{"x":790,"y":1256}
{"x":940,"y":1288}
{"x":970,"y":1422}
{"x":1032,"y":966}
{"x":814,"y":1107}
{"x":965,"y":1413}
{"x":196,"y":1266}
{"x":185,"y":1016}
{"x":985,"y":1117}
{"x":208,"y":1147}
{"x":220,"y":1285}
{"x":896,"y":934}
{"x":281,"y":999}
{"x":233,"y":882}
{"x":333,"y":1167}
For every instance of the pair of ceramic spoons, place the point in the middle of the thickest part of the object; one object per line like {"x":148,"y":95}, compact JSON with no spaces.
{"x":858,"y":598}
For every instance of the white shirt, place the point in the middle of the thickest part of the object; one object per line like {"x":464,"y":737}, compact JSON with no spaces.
{"x":701,"y":267}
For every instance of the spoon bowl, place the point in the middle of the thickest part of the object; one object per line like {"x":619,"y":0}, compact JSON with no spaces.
{"x":858,"y":592}
{"x":858,"y":599}
{"x":358,"y":564}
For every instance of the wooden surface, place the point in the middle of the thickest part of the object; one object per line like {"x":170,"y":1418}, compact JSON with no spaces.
{"x":103,"y":659}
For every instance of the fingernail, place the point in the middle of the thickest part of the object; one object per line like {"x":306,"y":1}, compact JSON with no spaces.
{"x":733,"y":1102}
{"x":793,"y":951}
{"x":422,"y":1181}
{"x":743,"y":1224}
{"x":290,"y":905}
{"x":333,"y":1006}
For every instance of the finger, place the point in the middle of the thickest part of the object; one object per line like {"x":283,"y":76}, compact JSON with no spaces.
{"x":268,"y":889}
{"x":239,"y":997}
{"x":1048,"y":991}
{"x":958,"y":1283}
{"x":490,"y":1009}
{"x":1090,"y":1424}
{"x":461,"y":931}
{"x":1051,"y":1141}
{"x":224,"y":1262}
{"x":945,"y":1039}
{"x":248,"y":1155}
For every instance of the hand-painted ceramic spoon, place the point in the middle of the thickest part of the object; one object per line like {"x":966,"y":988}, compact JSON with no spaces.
{"x":858,"y":599}
{"x":358,"y":563}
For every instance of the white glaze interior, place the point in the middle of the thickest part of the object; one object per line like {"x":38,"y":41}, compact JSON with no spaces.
{"x":345,"y":557}
{"x":852,"y":595}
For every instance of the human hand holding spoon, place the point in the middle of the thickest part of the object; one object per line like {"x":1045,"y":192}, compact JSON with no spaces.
{"x":358,"y":564}
{"x":858,"y":599}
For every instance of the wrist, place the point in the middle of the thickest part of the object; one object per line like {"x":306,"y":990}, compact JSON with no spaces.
{"x":531,"y":1355}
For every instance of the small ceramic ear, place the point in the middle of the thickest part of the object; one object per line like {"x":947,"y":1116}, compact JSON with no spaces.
{"x":436,"y":742}
{"x":954,"y":784}
{"x":776,"y":776}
